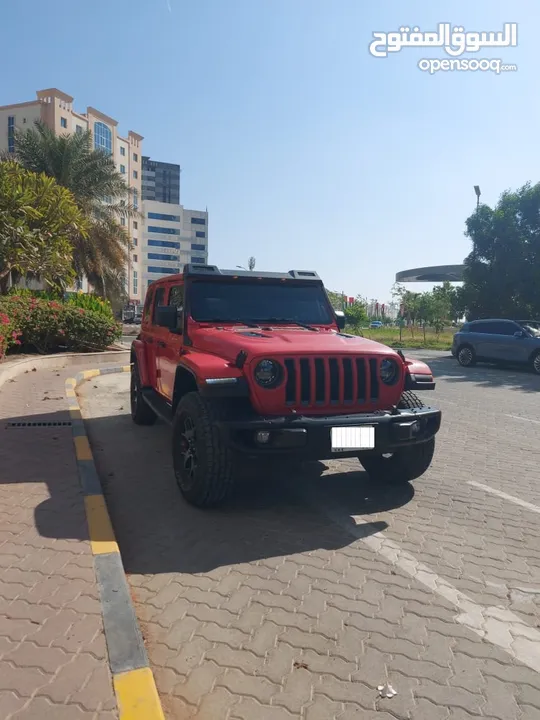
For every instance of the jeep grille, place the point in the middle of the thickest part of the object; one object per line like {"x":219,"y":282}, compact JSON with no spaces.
{"x":331,"y":381}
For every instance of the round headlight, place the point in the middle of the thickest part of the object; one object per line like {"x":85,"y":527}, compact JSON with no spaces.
{"x":268,"y":373}
{"x":389,"y":371}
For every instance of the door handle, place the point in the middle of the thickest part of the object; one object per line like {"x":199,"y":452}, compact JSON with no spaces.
{"x":161,"y":344}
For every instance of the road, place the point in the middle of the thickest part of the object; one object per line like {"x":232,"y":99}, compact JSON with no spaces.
{"x":312,"y":589}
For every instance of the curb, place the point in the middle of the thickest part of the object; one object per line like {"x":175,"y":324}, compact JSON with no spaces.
{"x":133,"y":680}
{"x":13,"y":368}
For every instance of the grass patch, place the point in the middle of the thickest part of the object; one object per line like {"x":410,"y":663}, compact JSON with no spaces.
{"x":390,"y":336}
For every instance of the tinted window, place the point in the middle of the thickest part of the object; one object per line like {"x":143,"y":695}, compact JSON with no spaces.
{"x":480,"y":327}
{"x":176,"y":296}
{"x":245,"y":301}
{"x":504,"y":328}
{"x":160,"y":296}
{"x":148,"y":304}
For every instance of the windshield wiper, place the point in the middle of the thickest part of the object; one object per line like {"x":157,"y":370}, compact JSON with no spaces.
{"x":247,"y":323}
{"x":289,"y":321}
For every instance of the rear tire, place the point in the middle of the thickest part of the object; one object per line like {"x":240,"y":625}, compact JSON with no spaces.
{"x":535,"y":363}
{"x":466,"y":356}
{"x":141,"y":413}
{"x":407,"y":463}
{"x":202,"y":460}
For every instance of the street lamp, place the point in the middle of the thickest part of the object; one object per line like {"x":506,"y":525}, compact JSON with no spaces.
{"x":477,"y":191}
{"x":241,"y":267}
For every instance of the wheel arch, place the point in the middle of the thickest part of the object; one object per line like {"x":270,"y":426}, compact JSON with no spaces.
{"x":184,"y":382}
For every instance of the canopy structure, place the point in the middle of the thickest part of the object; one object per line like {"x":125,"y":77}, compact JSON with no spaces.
{"x":436,"y":273}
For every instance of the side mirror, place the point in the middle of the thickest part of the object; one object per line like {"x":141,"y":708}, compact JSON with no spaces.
{"x":167,"y":316}
{"x":340,"y":319}
{"x":519,"y":334}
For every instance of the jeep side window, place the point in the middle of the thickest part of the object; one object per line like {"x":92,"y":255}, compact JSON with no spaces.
{"x":148,"y":304}
{"x":176,"y":297}
{"x":160,"y":295}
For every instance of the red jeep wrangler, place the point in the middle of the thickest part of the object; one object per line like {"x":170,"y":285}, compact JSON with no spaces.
{"x":257,"y":364}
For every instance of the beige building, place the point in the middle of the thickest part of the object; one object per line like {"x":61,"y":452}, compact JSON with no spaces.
{"x":55,"y":109}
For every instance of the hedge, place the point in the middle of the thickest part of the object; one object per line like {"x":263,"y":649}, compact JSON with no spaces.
{"x":46,"y":326}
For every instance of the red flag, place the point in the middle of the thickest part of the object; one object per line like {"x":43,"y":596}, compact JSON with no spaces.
{"x":351,"y":301}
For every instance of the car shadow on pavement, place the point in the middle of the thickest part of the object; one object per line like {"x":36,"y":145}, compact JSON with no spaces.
{"x":483,"y":375}
{"x":270,"y":515}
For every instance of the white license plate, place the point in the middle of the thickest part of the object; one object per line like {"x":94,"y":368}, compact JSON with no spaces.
{"x":353,"y":438}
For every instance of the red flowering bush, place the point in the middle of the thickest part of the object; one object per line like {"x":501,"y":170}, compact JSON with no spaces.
{"x":47,"y":326}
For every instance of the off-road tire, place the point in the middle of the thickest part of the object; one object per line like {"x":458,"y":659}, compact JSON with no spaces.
{"x":466,"y":356}
{"x":535,"y":363}
{"x":407,"y":463}
{"x":141,"y":412}
{"x":211,"y":482}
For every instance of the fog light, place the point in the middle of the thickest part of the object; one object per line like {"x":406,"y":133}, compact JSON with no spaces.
{"x":415,"y":428}
{"x":262,"y":437}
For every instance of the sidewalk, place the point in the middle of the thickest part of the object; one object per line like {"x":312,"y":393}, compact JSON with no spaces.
{"x":53,"y":657}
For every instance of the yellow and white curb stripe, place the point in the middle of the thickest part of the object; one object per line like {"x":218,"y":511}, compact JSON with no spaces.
{"x":133,"y":680}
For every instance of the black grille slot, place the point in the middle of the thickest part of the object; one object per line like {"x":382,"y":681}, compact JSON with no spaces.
{"x":290,"y":388}
{"x":374,"y":379}
{"x":55,"y":423}
{"x":320,"y":380}
{"x":305,"y":382}
{"x":347,"y":380}
{"x":360,"y":379}
{"x":334,"y":380}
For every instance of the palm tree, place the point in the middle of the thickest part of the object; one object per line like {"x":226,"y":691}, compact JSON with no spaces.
{"x":98,"y":188}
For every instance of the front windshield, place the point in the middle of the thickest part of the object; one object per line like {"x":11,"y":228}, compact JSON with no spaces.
{"x":531,"y":328}
{"x":239,"y":301}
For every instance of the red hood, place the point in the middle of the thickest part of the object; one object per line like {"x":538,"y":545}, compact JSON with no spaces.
{"x":227,"y":342}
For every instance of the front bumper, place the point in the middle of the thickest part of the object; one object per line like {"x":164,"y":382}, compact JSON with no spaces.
{"x":309,"y":437}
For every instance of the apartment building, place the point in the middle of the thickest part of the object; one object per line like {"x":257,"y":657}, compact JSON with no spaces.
{"x":55,"y":109}
{"x":173,"y":236}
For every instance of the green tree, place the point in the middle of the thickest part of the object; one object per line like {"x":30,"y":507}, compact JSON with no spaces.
{"x":356,"y":314}
{"x":502,"y":272}
{"x":251,"y":263}
{"x":38,"y":220}
{"x":99,"y":190}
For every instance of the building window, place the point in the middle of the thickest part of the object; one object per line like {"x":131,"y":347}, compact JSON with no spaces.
{"x":11,"y":133}
{"x":135,"y":242}
{"x":135,"y":157}
{"x":200,"y":234}
{"x":163,"y":230}
{"x":135,"y":287}
{"x":162,"y":270}
{"x":122,"y":150}
{"x":162,"y":216}
{"x":102,"y":138}
{"x":135,"y":259}
{"x":162,"y":256}
{"x":63,"y":122}
{"x":135,"y":275}
{"x":164,"y":244}
{"x":195,"y":246}
{"x":135,"y":199}
{"x":135,"y":225}
{"x":122,"y":221}
{"x":78,"y":129}
{"x":135,"y":175}
{"x":123,"y":169}
{"x":198,"y":221}
{"x":198,"y":260}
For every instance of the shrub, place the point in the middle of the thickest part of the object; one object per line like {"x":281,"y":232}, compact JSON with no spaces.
{"x":49,"y":326}
{"x":91,"y":302}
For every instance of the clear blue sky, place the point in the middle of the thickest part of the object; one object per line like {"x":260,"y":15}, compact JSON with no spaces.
{"x":308,"y":152}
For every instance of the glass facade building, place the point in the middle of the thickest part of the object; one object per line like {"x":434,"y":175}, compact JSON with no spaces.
{"x":160,"y":181}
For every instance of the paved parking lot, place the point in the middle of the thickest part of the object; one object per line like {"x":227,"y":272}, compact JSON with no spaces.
{"x":313,"y":588}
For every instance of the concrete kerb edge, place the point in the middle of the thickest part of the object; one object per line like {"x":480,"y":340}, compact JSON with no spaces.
{"x":133,"y":680}
{"x":12,"y":368}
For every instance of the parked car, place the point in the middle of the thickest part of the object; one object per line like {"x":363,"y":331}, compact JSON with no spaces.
{"x":507,"y":341}
{"x":256,"y":365}
{"x":375,"y":324}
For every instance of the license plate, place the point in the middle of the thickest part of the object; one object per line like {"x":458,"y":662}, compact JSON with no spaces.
{"x":353,"y":438}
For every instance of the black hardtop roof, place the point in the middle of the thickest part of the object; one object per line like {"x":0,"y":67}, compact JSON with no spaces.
{"x":211,"y":271}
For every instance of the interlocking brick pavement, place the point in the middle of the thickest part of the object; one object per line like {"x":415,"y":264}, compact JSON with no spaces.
{"x":276,"y":607}
{"x":53,"y":660}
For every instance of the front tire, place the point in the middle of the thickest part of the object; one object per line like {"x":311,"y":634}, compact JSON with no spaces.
{"x":407,"y":463}
{"x":141,"y":413}
{"x":202,"y":460}
{"x":535,"y":363}
{"x":466,"y":356}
